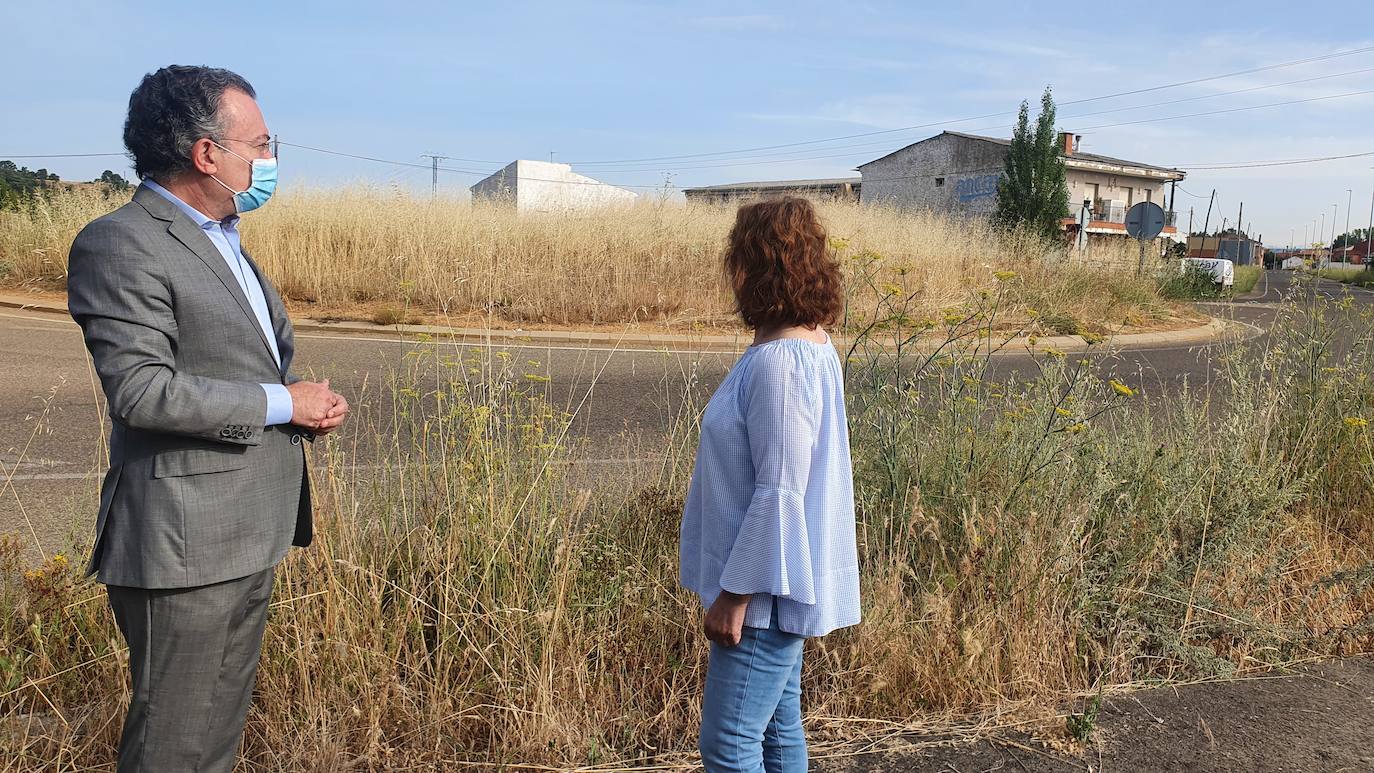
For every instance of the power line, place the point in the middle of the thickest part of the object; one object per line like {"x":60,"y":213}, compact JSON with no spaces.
{"x":354,"y":155}
{"x":1280,"y":162}
{"x":1222,"y":166}
{"x":60,"y":155}
{"x":788,"y":157}
{"x":882,"y":143}
{"x":1188,"y":192}
{"x":472,"y":172}
{"x":1194,"y":81}
{"x":1232,"y":110}
{"x":1309,"y":60}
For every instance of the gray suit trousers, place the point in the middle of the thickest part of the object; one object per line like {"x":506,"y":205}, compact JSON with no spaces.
{"x":193,"y":655}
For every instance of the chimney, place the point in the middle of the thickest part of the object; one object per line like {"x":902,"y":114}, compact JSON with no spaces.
{"x":1068,"y":142}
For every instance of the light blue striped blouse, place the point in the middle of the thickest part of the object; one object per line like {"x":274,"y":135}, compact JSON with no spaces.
{"x":770,"y":511}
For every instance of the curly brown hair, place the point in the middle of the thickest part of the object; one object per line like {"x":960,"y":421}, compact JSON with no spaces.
{"x":779,"y":265}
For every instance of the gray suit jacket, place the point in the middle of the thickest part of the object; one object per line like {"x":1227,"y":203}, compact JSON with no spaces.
{"x":198,"y":490}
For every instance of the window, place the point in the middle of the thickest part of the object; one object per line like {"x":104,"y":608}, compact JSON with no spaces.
{"x":939,"y":182}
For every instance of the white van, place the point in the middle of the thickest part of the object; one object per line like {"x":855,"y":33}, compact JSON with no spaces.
{"x":1223,"y":271}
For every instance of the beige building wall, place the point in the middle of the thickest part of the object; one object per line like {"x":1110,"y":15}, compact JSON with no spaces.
{"x":1085,"y":184}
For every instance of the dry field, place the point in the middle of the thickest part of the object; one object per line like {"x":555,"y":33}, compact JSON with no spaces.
{"x":365,"y":253}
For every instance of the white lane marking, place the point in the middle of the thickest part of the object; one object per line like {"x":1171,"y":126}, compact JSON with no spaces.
{"x":33,"y":318}
{"x":494,"y":345}
{"x":356,"y":467}
{"x":610,"y":347}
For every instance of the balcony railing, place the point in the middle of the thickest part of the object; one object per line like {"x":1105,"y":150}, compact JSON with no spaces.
{"x":1104,"y":212}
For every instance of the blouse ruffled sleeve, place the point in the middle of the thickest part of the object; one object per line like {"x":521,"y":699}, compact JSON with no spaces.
{"x":772,"y":551}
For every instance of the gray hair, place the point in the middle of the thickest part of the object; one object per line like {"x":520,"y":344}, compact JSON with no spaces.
{"x":170,"y":110}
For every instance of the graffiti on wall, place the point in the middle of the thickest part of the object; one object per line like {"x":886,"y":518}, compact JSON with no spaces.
{"x":980,"y":187}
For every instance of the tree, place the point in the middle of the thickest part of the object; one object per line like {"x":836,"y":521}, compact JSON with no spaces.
{"x":18,"y":184}
{"x":1033,"y":193}
{"x":113,"y":181}
{"x":1357,"y":236}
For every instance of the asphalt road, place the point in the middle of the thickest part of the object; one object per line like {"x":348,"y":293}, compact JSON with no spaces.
{"x":51,"y":417}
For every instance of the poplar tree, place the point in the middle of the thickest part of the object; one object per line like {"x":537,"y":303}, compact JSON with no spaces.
{"x":1033,"y":193}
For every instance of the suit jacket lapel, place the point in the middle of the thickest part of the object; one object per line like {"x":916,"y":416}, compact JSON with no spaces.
{"x":276,"y":312}
{"x":197,"y":242}
{"x":184,"y":230}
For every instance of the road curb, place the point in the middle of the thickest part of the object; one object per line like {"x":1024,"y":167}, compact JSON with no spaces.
{"x":1215,"y":330}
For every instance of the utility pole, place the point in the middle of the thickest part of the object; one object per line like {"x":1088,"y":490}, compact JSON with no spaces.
{"x":1331,"y":251}
{"x":1349,"y":192}
{"x":1369,"y":235}
{"x":1207,"y":220}
{"x":276,"y":145}
{"x":1240,"y":233}
{"x":434,"y":172}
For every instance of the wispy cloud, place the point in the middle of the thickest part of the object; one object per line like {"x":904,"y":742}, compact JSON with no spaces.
{"x":882,"y":111}
{"x":984,"y":41}
{"x":741,"y":23}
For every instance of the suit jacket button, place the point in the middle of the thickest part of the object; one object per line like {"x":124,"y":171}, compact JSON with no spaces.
{"x":295,"y":440}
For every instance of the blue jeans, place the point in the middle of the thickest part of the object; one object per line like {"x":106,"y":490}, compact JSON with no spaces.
{"x":751,"y":717}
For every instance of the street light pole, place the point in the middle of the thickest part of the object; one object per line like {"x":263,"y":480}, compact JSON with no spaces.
{"x":1369,"y":235}
{"x":1331,"y":251}
{"x":1348,"y":193}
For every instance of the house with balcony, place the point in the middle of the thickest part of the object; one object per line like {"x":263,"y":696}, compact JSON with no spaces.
{"x":959,"y":173}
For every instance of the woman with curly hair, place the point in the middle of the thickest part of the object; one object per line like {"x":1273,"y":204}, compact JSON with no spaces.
{"x":768,"y":528}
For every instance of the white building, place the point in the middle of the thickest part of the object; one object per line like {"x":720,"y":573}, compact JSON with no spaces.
{"x":540,"y":186}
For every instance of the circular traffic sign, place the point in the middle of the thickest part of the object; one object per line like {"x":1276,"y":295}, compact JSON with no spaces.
{"x":1145,"y":220}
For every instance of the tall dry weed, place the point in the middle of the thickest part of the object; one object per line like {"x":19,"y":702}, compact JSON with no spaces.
{"x":361,"y":252}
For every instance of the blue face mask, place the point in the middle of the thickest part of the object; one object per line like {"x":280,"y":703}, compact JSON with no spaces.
{"x":260,"y":186}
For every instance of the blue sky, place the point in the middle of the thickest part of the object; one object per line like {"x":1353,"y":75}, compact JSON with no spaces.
{"x":612,"y":82}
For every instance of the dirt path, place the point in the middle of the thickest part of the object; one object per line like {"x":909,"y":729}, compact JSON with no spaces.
{"x":1320,"y":719}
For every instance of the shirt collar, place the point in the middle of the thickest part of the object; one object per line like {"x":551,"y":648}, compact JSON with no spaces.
{"x":228,"y":224}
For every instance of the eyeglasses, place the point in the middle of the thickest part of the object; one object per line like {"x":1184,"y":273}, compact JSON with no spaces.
{"x":259,"y":147}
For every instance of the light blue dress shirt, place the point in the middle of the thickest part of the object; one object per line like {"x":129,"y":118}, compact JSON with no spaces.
{"x":770,"y":511}
{"x":224,"y":234}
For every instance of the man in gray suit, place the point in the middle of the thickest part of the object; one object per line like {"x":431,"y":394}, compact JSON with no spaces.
{"x":207,"y":488}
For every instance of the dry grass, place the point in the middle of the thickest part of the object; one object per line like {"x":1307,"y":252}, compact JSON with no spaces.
{"x":471,"y":599}
{"x":365,"y":253}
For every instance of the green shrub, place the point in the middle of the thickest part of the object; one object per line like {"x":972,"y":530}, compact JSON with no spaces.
{"x":1246,"y":278}
{"x":1192,"y":282}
